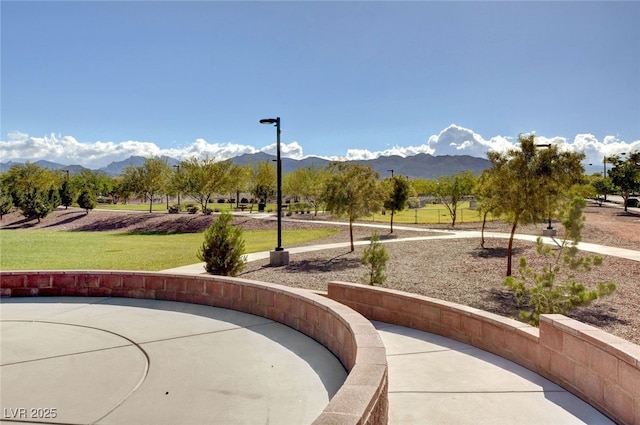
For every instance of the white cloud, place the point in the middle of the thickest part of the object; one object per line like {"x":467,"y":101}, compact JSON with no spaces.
{"x":453,"y":140}
{"x":292,"y":150}
{"x":456,"y":140}
{"x":363,"y":154}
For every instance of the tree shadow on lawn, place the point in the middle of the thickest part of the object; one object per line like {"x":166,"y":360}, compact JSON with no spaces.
{"x":75,"y":215}
{"x":150,"y":224}
{"x":25,"y":223}
{"x":115,"y":222}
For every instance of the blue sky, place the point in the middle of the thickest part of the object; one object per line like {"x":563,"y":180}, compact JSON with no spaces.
{"x":94,"y":81}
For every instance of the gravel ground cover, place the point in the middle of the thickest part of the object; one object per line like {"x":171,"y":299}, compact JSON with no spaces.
{"x":457,"y":270}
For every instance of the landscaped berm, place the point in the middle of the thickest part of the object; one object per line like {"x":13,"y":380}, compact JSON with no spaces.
{"x":598,"y":367}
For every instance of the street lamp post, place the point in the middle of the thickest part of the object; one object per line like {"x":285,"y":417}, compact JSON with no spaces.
{"x":278,"y":257}
{"x":177,"y":167}
{"x":549,"y":231}
{"x":604,"y":161}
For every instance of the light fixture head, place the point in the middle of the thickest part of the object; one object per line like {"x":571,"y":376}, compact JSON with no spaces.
{"x":269,"y":121}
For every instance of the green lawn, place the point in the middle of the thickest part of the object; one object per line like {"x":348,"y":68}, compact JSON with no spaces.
{"x":431,"y":214}
{"x":59,"y":250}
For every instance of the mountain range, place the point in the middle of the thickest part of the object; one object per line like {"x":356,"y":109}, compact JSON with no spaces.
{"x":417,"y":166}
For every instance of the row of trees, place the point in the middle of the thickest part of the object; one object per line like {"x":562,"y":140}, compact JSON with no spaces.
{"x":528,"y":183}
{"x":36,"y":191}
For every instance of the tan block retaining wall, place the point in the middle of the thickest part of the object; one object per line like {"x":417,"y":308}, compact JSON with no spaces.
{"x":600,"y":368}
{"x":362,"y":399}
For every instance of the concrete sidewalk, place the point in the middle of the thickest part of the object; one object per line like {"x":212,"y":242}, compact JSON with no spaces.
{"x":436,"y":380}
{"x":131,"y":361}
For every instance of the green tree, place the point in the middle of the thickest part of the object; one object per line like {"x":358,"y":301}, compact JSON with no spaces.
{"x":98,"y":182}
{"x":399,"y":190}
{"x":451,"y":189}
{"x":67,"y":196}
{"x":555,"y":289}
{"x":123,"y":188}
{"x":87,"y":199}
{"x":307,"y":184}
{"x":35,"y":204}
{"x":423,"y":187}
{"x":601,"y":186}
{"x":263,"y":181}
{"x":6,"y":203}
{"x":375,"y":258}
{"x":531,"y":183}
{"x":625,"y":175}
{"x":352,"y":190}
{"x":238,"y":180}
{"x":148,"y":180}
{"x":488,"y":195}
{"x":33,"y":189}
{"x":223,"y":247}
{"x":201,"y":179}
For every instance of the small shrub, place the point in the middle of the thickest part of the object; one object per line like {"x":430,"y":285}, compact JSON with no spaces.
{"x":175,"y":209}
{"x":87,"y":200}
{"x":223,"y":247}
{"x":375,"y":258}
{"x":35,"y":205}
{"x":555,"y":289}
{"x":207,"y":211}
{"x":192,"y":209}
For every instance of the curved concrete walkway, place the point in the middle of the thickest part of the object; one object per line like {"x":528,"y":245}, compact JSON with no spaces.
{"x":436,"y":380}
{"x":137,"y":361}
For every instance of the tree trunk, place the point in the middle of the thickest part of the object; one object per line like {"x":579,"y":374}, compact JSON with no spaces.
{"x":510,"y":249}
{"x":484,"y":222}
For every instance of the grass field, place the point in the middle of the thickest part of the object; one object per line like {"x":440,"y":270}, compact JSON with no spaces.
{"x":59,"y":250}
{"x":429,"y":214}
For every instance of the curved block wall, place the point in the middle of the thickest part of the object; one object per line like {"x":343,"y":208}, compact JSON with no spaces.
{"x":600,"y":368}
{"x":362,"y":399}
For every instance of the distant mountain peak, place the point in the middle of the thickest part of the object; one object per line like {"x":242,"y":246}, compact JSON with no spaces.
{"x":422,"y":165}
